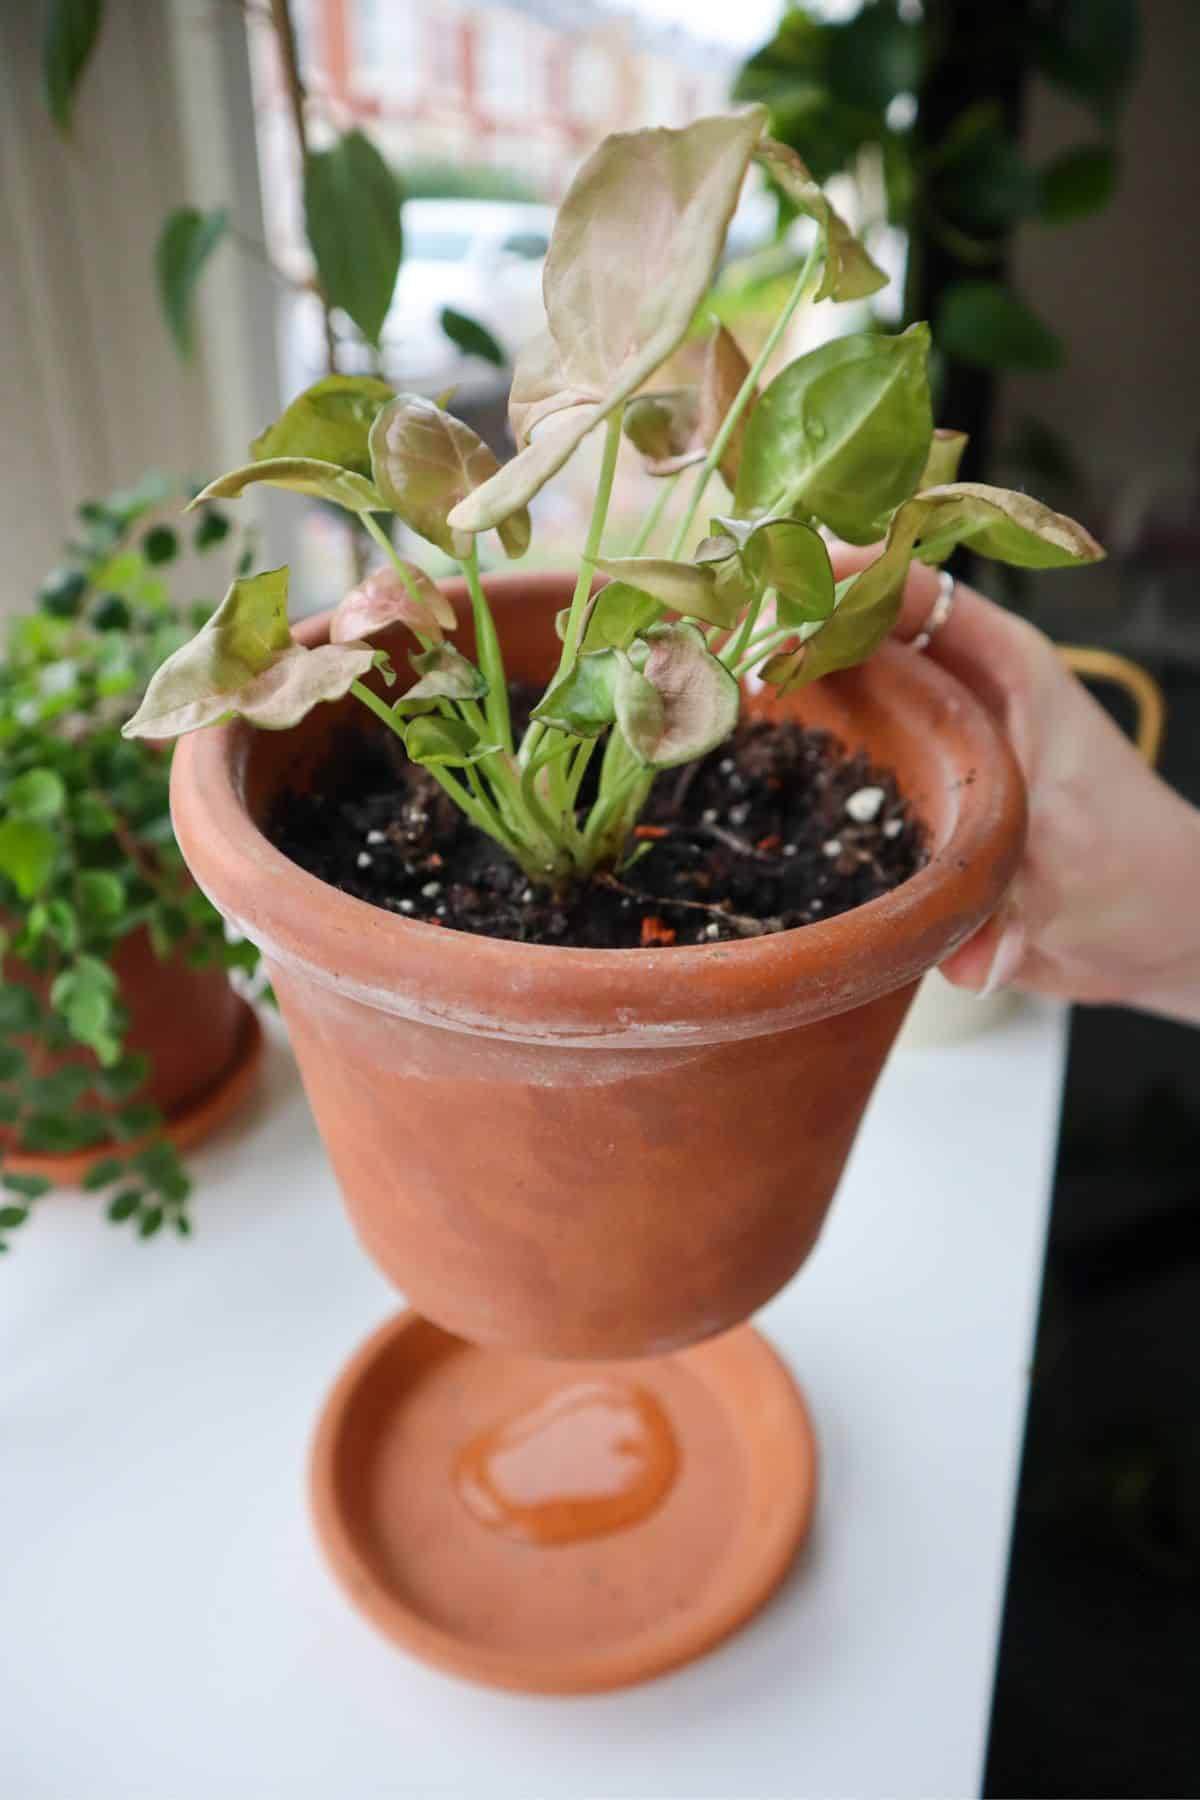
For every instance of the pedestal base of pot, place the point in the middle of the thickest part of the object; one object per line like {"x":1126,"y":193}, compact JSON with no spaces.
{"x":184,"y":1128}
{"x":561,"y":1595}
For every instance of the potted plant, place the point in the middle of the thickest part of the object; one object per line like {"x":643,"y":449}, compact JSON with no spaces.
{"x":589,"y":1007}
{"x":121,"y":1038}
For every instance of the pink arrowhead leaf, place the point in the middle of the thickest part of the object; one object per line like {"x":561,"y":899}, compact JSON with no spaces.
{"x":244,"y":660}
{"x":680,"y":703}
{"x":426,"y":462}
{"x":637,"y":241}
{"x":387,"y":598}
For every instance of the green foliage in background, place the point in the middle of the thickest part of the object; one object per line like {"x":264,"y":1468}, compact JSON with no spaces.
{"x":87,"y":856}
{"x":841,"y":91}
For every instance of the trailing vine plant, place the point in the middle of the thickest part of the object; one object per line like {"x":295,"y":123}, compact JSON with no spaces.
{"x":87,"y":857}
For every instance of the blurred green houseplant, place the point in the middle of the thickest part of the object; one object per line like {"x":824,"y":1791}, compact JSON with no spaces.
{"x":931,"y":96}
{"x":87,"y":857}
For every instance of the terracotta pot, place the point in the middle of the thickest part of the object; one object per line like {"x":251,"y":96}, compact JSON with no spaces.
{"x":200,"y":1036}
{"x":586,"y":1153}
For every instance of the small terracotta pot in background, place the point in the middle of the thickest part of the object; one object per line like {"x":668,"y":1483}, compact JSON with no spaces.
{"x":201,"y":1038}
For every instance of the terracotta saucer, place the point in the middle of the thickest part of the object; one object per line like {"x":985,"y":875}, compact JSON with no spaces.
{"x":602,"y":1611}
{"x":184,"y":1128}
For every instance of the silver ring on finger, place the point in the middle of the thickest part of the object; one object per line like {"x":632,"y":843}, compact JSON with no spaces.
{"x":939,"y":612}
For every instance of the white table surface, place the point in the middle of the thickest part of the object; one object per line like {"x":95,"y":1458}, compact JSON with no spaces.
{"x":168,"y":1629}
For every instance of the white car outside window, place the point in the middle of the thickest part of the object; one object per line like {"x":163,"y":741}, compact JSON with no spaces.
{"x":482,"y":258}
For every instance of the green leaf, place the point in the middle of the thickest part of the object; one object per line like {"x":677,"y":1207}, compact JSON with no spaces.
{"x":680,"y":587}
{"x":62,"y":1089}
{"x":403,"y":595}
{"x":472,"y":338}
{"x":63,"y":922}
{"x":879,"y":53}
{"x":842,"y":433}
{"x":993,"y":522}
{"x":245,"y":661}
{"x":617,"y":614}
{"x":299,"y":475}
{"x":102,"y":1174}
{"x":100,"y":894}
{"x":85,"y":994}
{"x":352,"y":216}
{"x":582,"y":701}
{"x":91,"y":816}
{"x":680,"y":703}
{"x":986,"y":325}
{"x":19,"y":1011}
{"x":30,"y":1187}
{"x":150,"y":1221}
{"x":112,"y":613}
{"x":28,"y":853}
{"x":212,"y":529}
{"x":124,"y":1204}
{"x":1092,"y":48}
{"x":849,"y":273}
{"x":67,"y":44}
{"x":37,"y":794}
{"x":185,"y":243}
{"x":1078,"y":182}
{"x":159,"y":1163}
{"x":12,"y":1216}
{"x":61,"y":594}
{"x":426,"y":462}
{"x":445,"y":673}
{"x":635,"y":247}
{"x":134,"y":1121}
{"x":982,"y":184}
{"x":56,"y":1133}
{"x":444,"y":742}
{"x":791,"y":558}
{"x":329,"y":422}
{"x":13,"y":1062}
{"x":160,"y":544}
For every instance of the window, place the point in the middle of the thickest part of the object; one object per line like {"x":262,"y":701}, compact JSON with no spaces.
{"x":592,"y":85}
{"x":386,"y":49}
{"x":511,"y":64}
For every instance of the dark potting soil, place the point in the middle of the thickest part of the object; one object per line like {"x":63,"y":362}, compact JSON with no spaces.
{"x":778,"y":827}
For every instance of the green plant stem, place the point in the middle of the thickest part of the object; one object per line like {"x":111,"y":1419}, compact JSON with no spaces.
{"x":478,"y":813}
{"x":374,"y":529}
{"x":745,"y":393}
{"x":736,"y":648}
{"x":583,"y":583}
{"x":767,"y":640}
{"x":591,"y":548}
{"x":666,"y":492}
{"x":488,"y":651}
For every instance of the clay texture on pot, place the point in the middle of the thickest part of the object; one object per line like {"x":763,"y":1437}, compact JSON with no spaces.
{"x":600,"y":1153}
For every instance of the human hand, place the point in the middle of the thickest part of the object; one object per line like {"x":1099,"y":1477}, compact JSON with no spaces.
{"x":1104,"y":907}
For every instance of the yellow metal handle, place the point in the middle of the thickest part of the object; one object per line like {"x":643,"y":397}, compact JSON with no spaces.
{"x":1138,"y":683}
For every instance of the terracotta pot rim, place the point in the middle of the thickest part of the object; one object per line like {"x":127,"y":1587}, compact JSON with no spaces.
{"x":646,"y":998}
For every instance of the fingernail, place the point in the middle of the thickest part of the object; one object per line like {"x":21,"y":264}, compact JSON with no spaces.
{"x":1010,"y":954}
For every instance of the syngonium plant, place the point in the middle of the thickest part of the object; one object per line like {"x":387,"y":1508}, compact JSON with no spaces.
{"x":840,"y":441}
